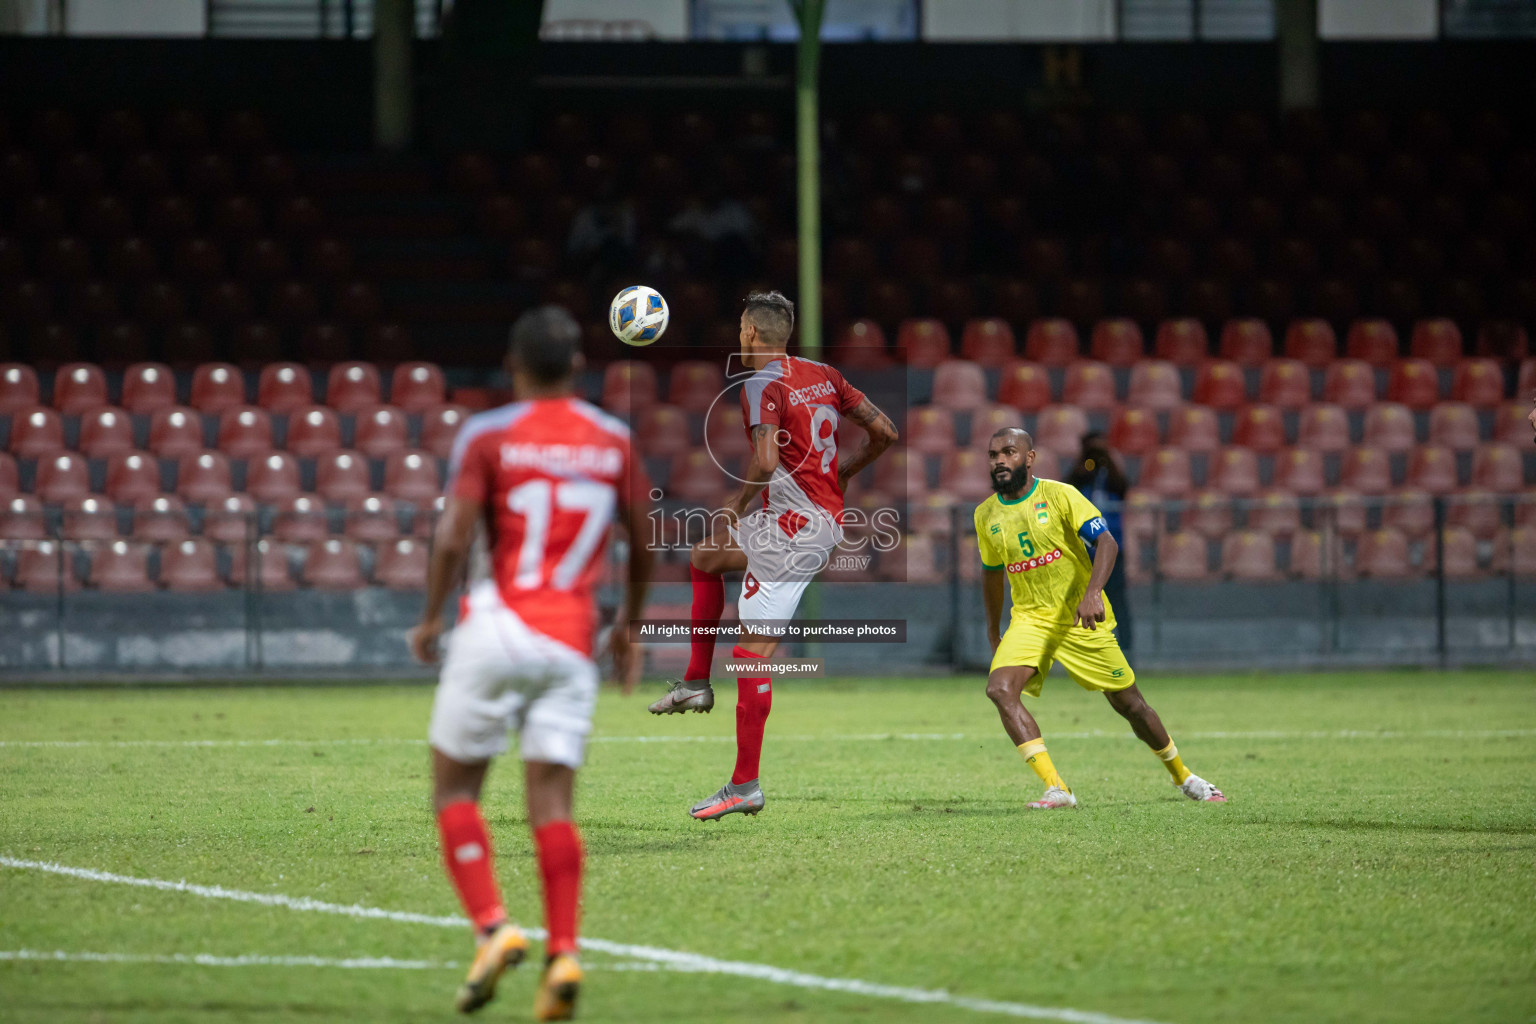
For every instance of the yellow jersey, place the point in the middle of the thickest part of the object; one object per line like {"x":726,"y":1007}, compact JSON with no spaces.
{"x":1042,"y":541}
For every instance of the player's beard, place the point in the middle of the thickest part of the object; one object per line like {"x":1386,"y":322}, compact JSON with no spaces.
{"x":1005,"y":481}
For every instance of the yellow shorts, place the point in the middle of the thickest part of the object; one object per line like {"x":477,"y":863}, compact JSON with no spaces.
{"x":1092,"y":657}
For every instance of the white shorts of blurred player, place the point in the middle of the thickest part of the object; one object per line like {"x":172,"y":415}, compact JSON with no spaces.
{"x":501,"y":676}
{"x":780,"y":563}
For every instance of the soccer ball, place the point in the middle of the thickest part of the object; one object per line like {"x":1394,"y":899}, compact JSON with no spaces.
{"x":638,"y":315}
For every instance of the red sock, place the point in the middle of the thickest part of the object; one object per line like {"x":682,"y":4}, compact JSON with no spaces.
{"x":560,"y":855}
{"x":754,"y":699}
{"x":467,"y":855}
{"x":708,"y":604}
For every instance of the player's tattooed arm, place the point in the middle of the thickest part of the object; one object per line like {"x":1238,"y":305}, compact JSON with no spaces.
{"x":765,"y":459}
{"x":879,"y":434}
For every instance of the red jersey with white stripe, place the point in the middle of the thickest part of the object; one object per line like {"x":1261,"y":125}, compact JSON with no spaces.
{"x":551,"y":474}
{"x":806,"y":399}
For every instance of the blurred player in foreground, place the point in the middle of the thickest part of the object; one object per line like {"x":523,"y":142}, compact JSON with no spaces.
{"x":547,"y":475}
{"x":791,"y":407}
{"x":1057,"y":553}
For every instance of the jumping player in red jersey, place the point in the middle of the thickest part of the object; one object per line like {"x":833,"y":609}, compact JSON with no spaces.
{"x":547,"y":475}
{"x":791,"y":407}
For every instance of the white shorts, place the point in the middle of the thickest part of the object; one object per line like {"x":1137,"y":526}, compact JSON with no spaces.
{"x":779,"y":566}
{"x":501,"y":676}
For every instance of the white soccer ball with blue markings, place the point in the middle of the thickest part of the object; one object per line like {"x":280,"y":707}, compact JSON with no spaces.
{"x":638,"y":315}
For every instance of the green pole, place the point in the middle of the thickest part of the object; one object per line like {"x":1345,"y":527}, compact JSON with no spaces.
{"x":808,"y":153}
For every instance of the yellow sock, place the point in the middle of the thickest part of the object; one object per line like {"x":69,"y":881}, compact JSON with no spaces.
{"x":1036,"y":757}
{"x":1169,"y":755}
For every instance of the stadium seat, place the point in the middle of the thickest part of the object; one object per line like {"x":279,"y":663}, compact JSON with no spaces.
{"x":1275,"y":512}
{"x":372,"y":518}
{"x":1259,"y":427}
{"x":299,"y":519}
{"x":174,"y":432}
{"x":272,"y":558}
{"x":1323,"y":428}
{"x":693,"y":385}
{"x":1415,"y":383}
{"x":1526,"y":377}
{"x":1459,"y":554}
{"x":44,"y":566}
{"x":106,"y":431}
{"x":662,"y":432}
{"x":1411,"y":512}
{"x":341,"y":476}
{"x":1208,"y":513}
{"x":1366,"y":471}
{"x":439,"y":426}
{"x":1154,"y":384}
{"x":1511,"y":423}
{"x":312,"y":430}
{"x":1249,"y":555}
{"x":380,"y":430}
{"x":1116,"y":342}
{"x":1481,"y":512}
{"x":189,"y":566}
{"x":1373,"y":342}
{"x":1133,"y":431}
{"x":988,"y":421}
{"x":78,"y":387}
{"x":1503,"y":340}
{"x":1308,"y":560}
{"x":861,"y":346}
{"x":22,"y":518}
{"x":18,"y":388}
{"x":1166,"y":472}
{"x":1025,"y":386}
{"x":1311,"y":342}
{"x":272,"y":478}
{"x":1454,"y":425}
{"x":1389,"y":426}
{"x":964,"y":473}
{"x":1285,"y":383}
{"x":1182,"y":557}
{"x":1060,"y":428}
{"x":1234,"y":471}
{"x":216,"y":387}
{"x":1219,"y":384}
{"x":284,"y":387}
{"x":9,"y":479}
{"x":1089,"y":385}
{"x":696,"y":477}
{"x":1349,"y":383}
{"x":629,"y":386}
{"x":401,"y":565}
{"x":1497,"y":467}
{"x":925,"y":343}
{"x":1479,"y":382}
{"x":930,"y":431}
{"x":918,"y":559}
{"x":1437,"y":341}
{"x":162,"y":519}
{"x":1182,"y":341}
{"x":230,"y":519}
{"x":121,"y":568}
{"x":352,"y":386}
{"x":1247,"y":342}
{"x":1194,"y":428}
{"x":1515,"y":551}
{"x":989,"y":342}
{"x":1050,"y":463}
{"x":245,"y":431}
{"x":89,"y":518}
{"x":1300,"y":471}
{"x":417,"y":387}
{"x":1051,"y":343}
{"x":933,"y":514}
{"x":1383,"y":554}
{"x":61,"y":477}
{"x":959,"y":385}
{"x":411,"y":476}
{"x":147,"y":387}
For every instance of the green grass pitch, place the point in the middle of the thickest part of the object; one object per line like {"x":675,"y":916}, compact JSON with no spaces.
{"x":1377,"y":861}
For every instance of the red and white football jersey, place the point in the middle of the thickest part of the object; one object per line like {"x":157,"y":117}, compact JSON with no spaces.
{"x":551,"y":475}
{"x":806,"y":399}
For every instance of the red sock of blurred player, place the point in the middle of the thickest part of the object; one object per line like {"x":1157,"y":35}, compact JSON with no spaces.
{"x":467,"y":855}
{"x":708,"y":604}
{"x":754,"y":699}
{"x":560,"y":856}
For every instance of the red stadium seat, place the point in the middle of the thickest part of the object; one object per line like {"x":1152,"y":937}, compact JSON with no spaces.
{"x":1511,"y":423}
{"x":1117,"y":342}
{"x":62,"y":477}
{"x":45,"y":566}
{"x":629,"y":386}
{"x":1182,"y":556}
{"x":1311,"y":342}
{"x":89,"y":518}
{"x":1389,"y":426}
{"x":1477,"y":511}
{"x":230,"y":519}
{"x":201,"y":479}
{"x":959,"y":385}
{"x":162,"y":518}
{"x":1459,"y":551}
{"x":861,"y":346}
{"x":22,"y":518}
{"x":1133,"y":431}
{"x":988,"y":421}
{"x":272,"y":559}
{"x":1155,"y":385}
{"x":1089,"y":385}
{"x":1479,"y":382}
{"x":411,"y":476}
{"x":1285,"y":383}
{"x":245,"y":432}
{"x":1249,"y":555}
{"x":1194,"y":428}
{"x":1219,"y":384}
{"x":216,"y":387}
{"x":1415,"y":383}
{"x":1182,"y":341}
{"x":189,"y":566}
{"x":930,"y":431}
{"x":1061,"y":428}
{"x":372,"y":518}
{"x":1234,"y":471}
{"x":694,"y":384}
{"x":1208,"y":513}
{"x":1454,"y":425}
{"x":1366,"y":470}
{"x":1275,"y":512}
{"x":174,"y":432}
{"x":380,"y":430}
{"x":1051,"y":342}
{"x":1349,"y":383}
{"x":695,"y":477}
{"x":147,"y":387}
{"x":1025,"y":386}
{"x":1308,"y":559}
{"x":352,"y":386}
{"x":272,"y":478}
{"x":964,"y":473}
{"x":1300,"y":471}
{"x":299,"y":519}
{"x":341,"y":476}
{"x":1048,"y":463}
{"x":1166,"y":472}
{"x":1323,"y":428}
{"x":18,"y":388}
{"x":925,"y":342}
{"x":439,"y":426}
{"x":284,"y":387}
{"x":9,"y":478}
{"x":313,"y":430}
{"x":1383,"y":554}
{"x":1503,"y":340}
{"x":132,"y":477}
{"x":1409,"y":511}
{"x":1259,"y":427}
{"x":1372,"y":341}
{"x":417,"y":387}
{"x":1497,"y":467}
{"x":104,"y":432}
{"x":989,"y":342}
{"x":1247,"y":342}
{"x":401,"y":565}
{"x":1438,"y":341}
{"x":121,"y":568}
{"x":78,"y":387}
{"x":662,"y":432}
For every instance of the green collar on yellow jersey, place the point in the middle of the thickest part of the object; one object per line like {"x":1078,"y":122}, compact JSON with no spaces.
{"x":1004,"y":501}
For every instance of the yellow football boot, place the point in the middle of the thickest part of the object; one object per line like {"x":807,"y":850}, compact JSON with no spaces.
{"x":502,"y":951}
{"x":558,"y":988}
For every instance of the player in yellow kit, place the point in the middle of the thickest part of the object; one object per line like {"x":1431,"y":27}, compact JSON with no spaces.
{"x":1051,"y":544}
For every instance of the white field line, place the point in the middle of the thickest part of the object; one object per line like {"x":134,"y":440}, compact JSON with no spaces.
{"x":871,"y":737}
{"x":210,"y":960}
{"x":666,"y":959}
